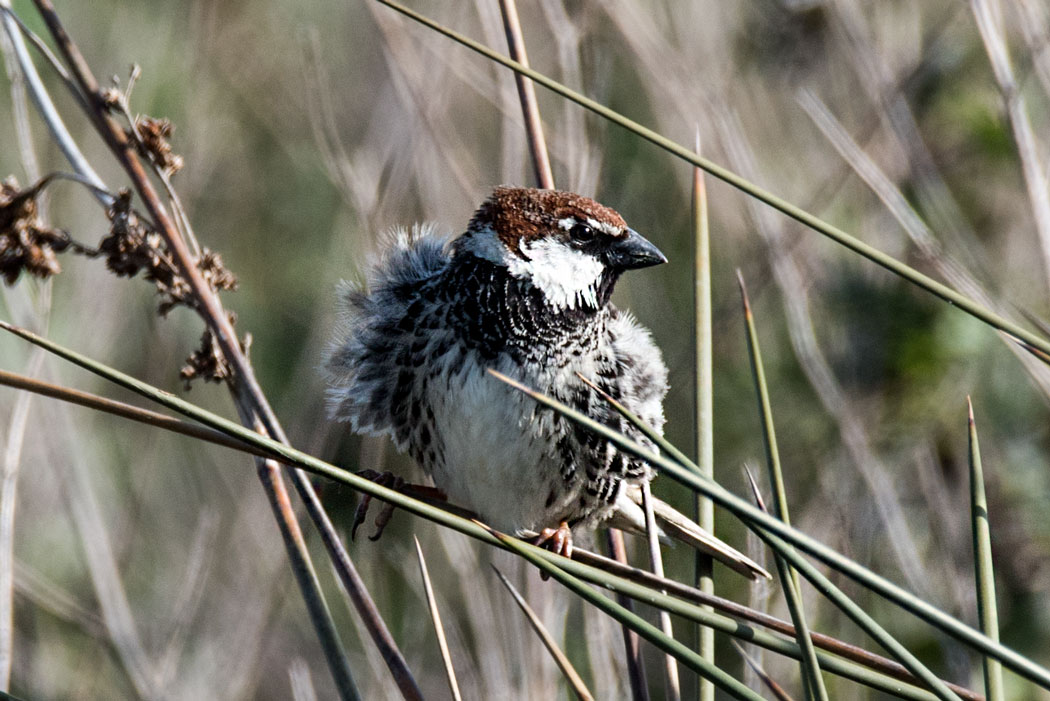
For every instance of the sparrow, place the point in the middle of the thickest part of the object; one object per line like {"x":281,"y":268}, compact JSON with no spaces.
{"x":525,"y":291}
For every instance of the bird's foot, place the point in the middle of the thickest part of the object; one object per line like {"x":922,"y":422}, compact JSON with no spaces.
{"x":389,"y":479}
{"x":560,"y":539}
{"x":385,"y":479}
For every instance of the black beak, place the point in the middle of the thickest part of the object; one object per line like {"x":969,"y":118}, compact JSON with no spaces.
{"x":633,"y":251}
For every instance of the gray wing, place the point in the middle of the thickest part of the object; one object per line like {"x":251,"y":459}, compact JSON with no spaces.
{"x":641,"y":376}
{"x":370,"y":365}
{"x":632,"y":371}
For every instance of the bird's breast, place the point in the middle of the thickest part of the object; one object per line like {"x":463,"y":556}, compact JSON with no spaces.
{"x":502,"y":454}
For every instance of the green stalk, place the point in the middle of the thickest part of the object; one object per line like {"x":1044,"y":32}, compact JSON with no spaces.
{"x":665,"y":446}
{"x":765,"y":526}
{"x":760,"y":521}
{"x":683,"y":654}
{"x":289,"y":455}
{"x":982,"y":560}
{"x":704,"y":373}
{"x":859,"y":616}
{"x":813,"y":682}
{"x":1025,"y":337}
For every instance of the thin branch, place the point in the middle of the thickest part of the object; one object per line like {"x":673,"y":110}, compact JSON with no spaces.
{"x":44,"y":49}
{"x":571,"y":675}
{"x":46,"y":107}
{"x":989,"y":23}
{"x":300,"y":680}
{"x":16,"y":429}
{"x":631,"y":641}
{"x":19,"y":104}
{"x":673,"y":689}
{"x":186,"y":228}
{"x":527,"y":94}
{"x":252,"y":404}
{"x":778,"y":692}
{"x":127,"y":411}
{"x":12,"y":460}
{"x":813,"y":682}
{"x":56,"y":601}
{"x":186,"y":603}
{"x":439,"y":629}
{"x":270,"y":475}
{"x":80,"y":496}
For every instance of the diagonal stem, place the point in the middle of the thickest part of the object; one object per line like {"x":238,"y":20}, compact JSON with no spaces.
{"x":1026,"y":338}
{"x":635,"y":583}
{"x":252,"y":404}
{"x":527,"y":94}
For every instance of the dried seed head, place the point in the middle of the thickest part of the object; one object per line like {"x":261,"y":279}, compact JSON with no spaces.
{"x":132,"y":247}
{"x":112,"y":98}
{"x":208,"y":363}
{"x":128,"y":246}
{"x":155,"y":134}
{"x":216,"y":274}
{"x":26,"y":243}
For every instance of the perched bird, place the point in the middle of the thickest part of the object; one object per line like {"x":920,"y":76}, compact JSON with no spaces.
{"x":524,"y":291}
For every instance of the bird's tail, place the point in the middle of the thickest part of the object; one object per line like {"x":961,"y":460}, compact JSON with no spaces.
{"x":673,"y":524}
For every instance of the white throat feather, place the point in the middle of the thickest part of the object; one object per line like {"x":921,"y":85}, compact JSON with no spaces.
{"x":568,"y":278}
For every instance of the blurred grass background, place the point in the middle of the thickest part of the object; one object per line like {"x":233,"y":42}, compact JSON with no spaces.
{"x":310,"y":128}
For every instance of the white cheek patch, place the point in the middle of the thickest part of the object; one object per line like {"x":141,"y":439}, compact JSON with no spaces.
{"x":567,"y":277}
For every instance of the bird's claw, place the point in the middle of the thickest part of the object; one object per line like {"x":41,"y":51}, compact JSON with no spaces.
{"x":385,"y":479}
{"x":560,"y":539}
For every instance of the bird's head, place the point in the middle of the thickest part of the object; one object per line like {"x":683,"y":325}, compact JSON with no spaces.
{"x":569,"y":247}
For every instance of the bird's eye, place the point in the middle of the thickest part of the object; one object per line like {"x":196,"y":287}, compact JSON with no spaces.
{"x":581,"y":233}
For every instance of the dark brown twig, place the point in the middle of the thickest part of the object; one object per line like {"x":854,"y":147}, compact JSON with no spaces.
{"x":771,"y":684}
{"x":527,"y":94}
{"x":252,"y":404}
{"x":127,"y":411}
{"x":631,"y":640}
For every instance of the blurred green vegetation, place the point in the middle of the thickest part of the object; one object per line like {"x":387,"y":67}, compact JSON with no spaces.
{"x":309,"y":128}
